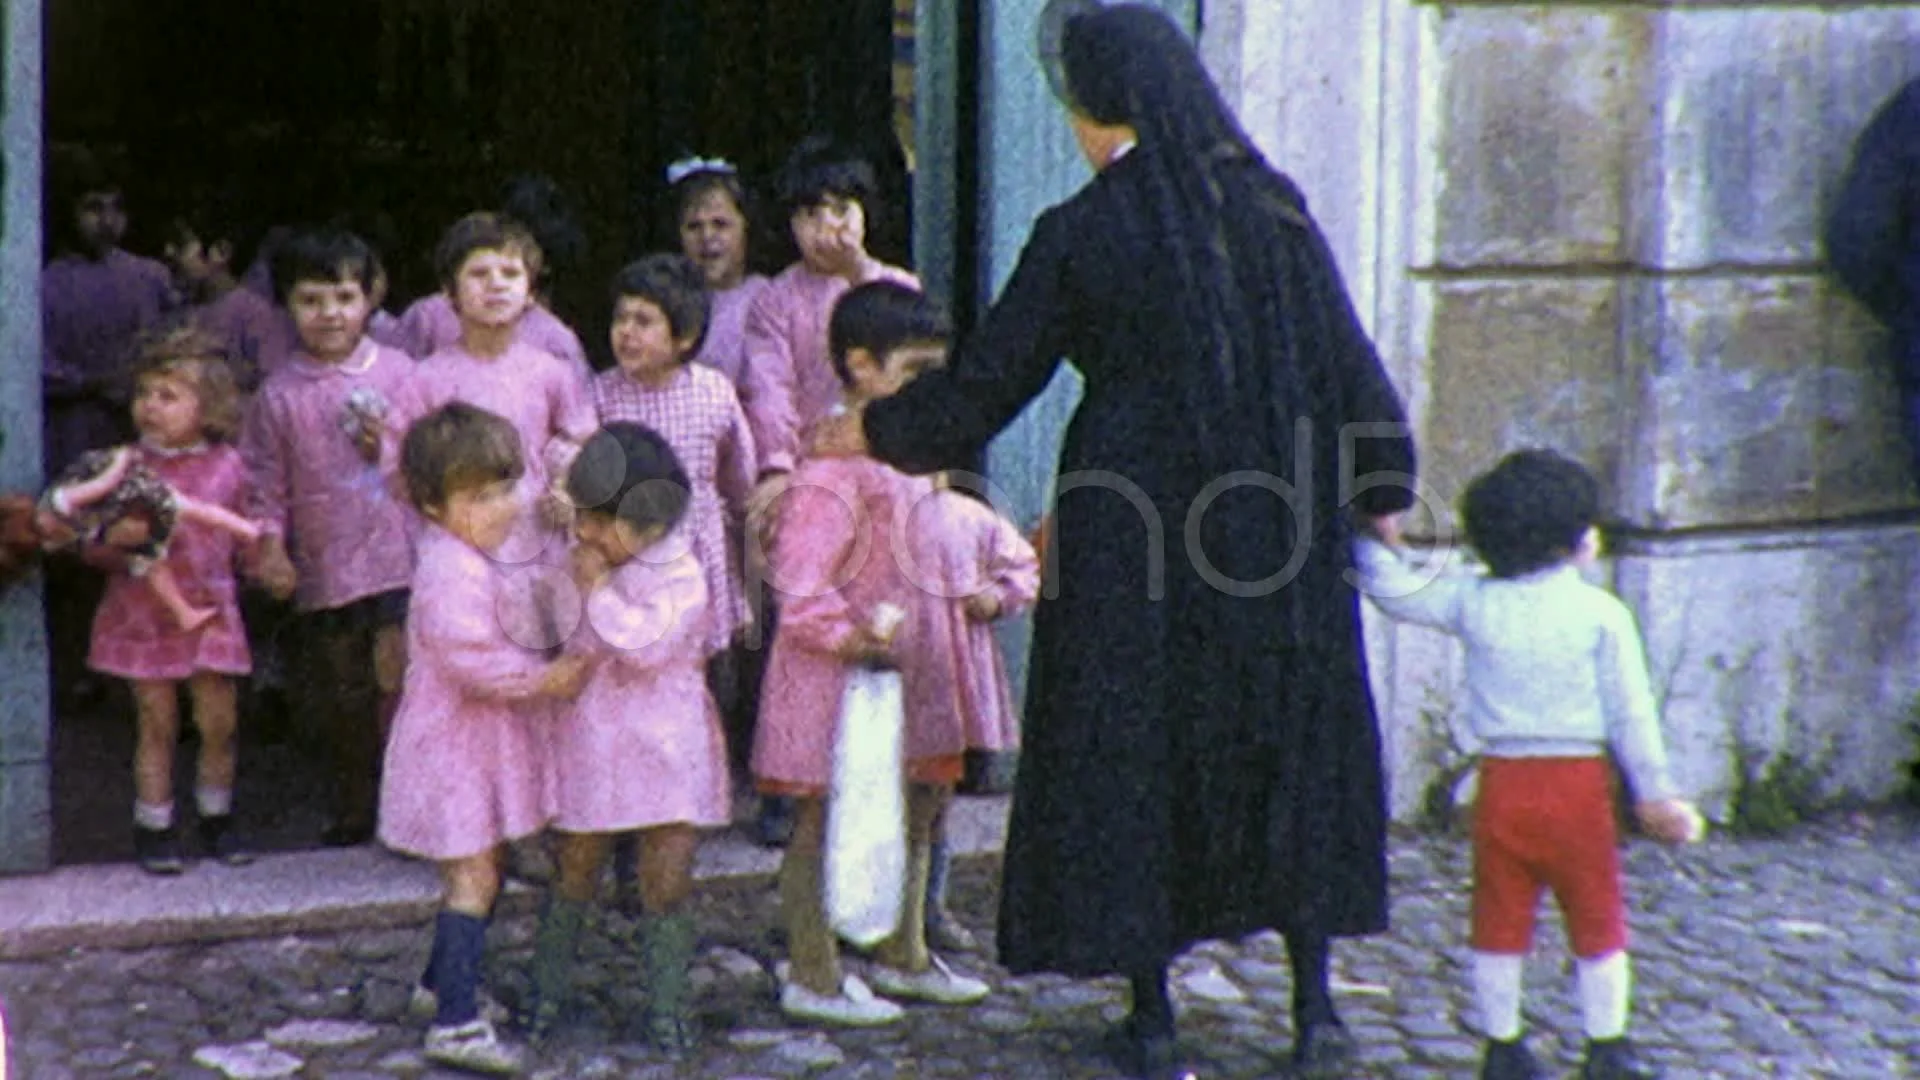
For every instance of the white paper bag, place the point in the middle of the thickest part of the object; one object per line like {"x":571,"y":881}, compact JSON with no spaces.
{"x":866,"y":857}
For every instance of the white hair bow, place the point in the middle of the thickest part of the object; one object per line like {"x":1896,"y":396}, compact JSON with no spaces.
{"x":686,"y":167}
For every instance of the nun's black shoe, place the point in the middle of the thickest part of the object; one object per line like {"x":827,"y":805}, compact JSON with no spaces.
{"x":1322,"y":1048}
{"x":1615,"y":1059}
{"x":1509,"y":1060}
{"x":1145,"y":1055}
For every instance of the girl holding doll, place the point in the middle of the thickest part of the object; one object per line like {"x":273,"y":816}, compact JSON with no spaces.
{"x":185,"y":407}
{"x":641,"y":748}
{"x":465,"y":773}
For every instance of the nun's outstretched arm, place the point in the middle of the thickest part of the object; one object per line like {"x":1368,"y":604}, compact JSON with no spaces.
{"x":945,"y":419}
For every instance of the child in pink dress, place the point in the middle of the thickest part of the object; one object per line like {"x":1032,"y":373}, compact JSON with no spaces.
{"x":838,"y":559}
{"x":204,"y":248}
{"x":320,"y":447}
{"x":641,"y":748}
{"x":788,"y":379}
{"x":185,"y":406}
{"x":432,"y":323}
{"x":983,"y":571}
{"x":789,"y":373}
{"x":710,"y":216}
{"x":486,"y":269}
{"x":464,"y":771}
{"x":659,"y":316}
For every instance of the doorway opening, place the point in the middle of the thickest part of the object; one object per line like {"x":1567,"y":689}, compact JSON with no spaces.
{"x":403,"y":115}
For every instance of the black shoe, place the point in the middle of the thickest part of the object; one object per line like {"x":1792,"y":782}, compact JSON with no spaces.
{"x":1145,"y":1055}
{"x":776,"y":821}
{"x":346,"y":834}
{"x":1614,"y":1059}
{"x":1508,"y":1061}
{"x":158,"y":851}
{"x":218,"y":842}
{"x":1321,"y":1048}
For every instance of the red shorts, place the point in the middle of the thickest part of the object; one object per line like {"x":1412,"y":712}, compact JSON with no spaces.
{"x":1546,"y":823}
{"x":943,"y":771}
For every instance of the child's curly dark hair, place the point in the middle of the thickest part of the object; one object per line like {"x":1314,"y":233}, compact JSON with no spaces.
{"x":1530,"y":511}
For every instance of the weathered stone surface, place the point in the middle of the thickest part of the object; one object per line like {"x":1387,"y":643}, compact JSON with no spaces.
{"x":1535,"y":134}
{"x":1733,"y":172}
{"x":1864,"y":464}
{"x":1801,"y":644}
{"x":1518,"y":363}
{"x":1728,"y":394}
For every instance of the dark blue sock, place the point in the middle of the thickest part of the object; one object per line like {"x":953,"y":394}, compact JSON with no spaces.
{"x":429,"y":978}
{"x":460,"y":941}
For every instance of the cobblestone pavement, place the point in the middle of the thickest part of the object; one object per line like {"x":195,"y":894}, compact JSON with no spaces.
{"x":1797,"y":957}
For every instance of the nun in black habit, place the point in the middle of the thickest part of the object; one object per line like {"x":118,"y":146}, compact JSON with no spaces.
{"x":1201,"y":756}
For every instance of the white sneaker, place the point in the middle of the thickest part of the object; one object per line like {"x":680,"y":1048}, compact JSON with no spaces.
{"x":939,"y":984}
{"x":424,"y":1004}
{"x":475,"y":1046}
{"x":853,"y":1006}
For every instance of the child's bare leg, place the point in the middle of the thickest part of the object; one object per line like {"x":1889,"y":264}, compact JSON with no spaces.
{"x":812,"y":949}
{"x":216,"y":516}
{"x":906,"y":950}
{"x":214,"y":713}
{"x":459,"y":1035}
{"x":159,"y":577}
{"x":666,"y":867}
{"x":158,"y":727}
{"x":580,"y":855}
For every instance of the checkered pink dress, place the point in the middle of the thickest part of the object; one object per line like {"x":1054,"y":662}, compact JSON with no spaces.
{"x":133,"y":636}
{"x":699,"y":416}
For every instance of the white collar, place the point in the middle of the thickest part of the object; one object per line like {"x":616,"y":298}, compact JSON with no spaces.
{"x":172,"y":451}
{"x":1122,"y":150}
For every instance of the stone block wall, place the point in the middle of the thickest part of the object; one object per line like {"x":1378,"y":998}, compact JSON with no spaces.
{"x":1595,"y":226}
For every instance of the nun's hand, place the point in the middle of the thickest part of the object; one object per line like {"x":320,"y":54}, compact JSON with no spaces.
{"x":844,"y":435}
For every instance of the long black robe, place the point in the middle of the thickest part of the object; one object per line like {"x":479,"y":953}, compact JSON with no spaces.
{"x":1195,"y":764}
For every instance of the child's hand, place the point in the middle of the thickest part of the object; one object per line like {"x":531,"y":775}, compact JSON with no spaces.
{"x":862,"y":647}
{"x":556,"y":512}
{"x":566,"y":677}
{"x":1672,"y":821}
{"x":844,"y":435}
{"x":276,"y":570}
{"x":983,"y":607}
{"x":368,"y":439}
{"x":126,"y":534}
{"x":760,"y":507}
{"x":589,"y":564}
{"x":1386,"y":528}
{"x":54,"y":533}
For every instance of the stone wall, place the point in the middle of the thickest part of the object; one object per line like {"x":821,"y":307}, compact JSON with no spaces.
{"x":1595,"y":227}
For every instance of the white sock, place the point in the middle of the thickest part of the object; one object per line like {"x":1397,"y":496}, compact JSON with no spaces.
{"x":153,"y":815}
{"x":214,"y":801}
{"x":1605,"y":983}
{"x":1496,"y":988}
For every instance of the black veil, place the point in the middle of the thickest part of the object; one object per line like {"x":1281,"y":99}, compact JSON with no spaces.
{"x":1220,"y":212}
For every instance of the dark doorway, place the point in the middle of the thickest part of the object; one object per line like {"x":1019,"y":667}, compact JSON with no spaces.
{"x":405,"y":114}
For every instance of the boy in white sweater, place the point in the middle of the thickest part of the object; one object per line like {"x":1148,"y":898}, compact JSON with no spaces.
{"x":1555,"y":677}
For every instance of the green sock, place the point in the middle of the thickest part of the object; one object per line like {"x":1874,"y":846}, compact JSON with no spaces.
{"x":554,"y":944}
